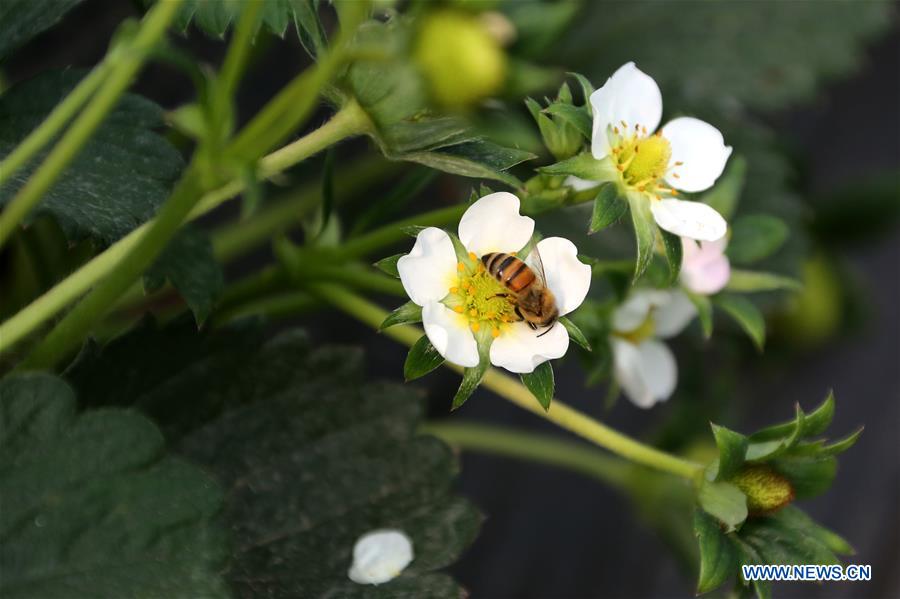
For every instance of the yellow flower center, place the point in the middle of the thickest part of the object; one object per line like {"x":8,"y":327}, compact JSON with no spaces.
{"x":481,"y":299}
{"x":643,"y":332}
{"x":643,"y":160}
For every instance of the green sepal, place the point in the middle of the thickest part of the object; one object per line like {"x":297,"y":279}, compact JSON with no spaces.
{"x":408,"y":313}
{"x":748,"y":281}
{"x":389,"y":265}
{"x":746,"y":315}
{"x":413,"y":230}
{"x":583,"y":166}
{"x":575,"y":334}
{"x":644,"y":231}
{"x":578,"y":118}
{"x":586,"y":88}
{"x":472,"y":376}
{"x":673,"y":248}
{"x":732,"y":449}
{"x":814,"y":423}
{"x":541,"y":384}
{"x":609,"y":206}
{"x":725,"y":502}
{"x":704,"y":312}
{"x":421,"y":359}
{"x":718,"y":557}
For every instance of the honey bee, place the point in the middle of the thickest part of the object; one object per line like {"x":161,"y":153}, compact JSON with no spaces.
{"x":535,"y":303}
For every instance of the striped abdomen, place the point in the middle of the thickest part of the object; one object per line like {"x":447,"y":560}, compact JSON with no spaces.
{"x":514,"y":274}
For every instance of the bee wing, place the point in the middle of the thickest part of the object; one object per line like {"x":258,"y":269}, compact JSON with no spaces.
{"x":537,"y":265}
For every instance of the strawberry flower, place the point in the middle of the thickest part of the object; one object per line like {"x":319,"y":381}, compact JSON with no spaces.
{"x":644,"y":366}
{"x":466,"y":312}
{"x":686,"y":154}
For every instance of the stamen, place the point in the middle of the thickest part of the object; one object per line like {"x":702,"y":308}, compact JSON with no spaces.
{"x":475,"y":327}
{"x":495,"y":332}
{"x":458,"y":309}
{"x":472,"y":256}
{"x":454,"y":290}
{"x":473,"y":312}
{"x":460,"y":266}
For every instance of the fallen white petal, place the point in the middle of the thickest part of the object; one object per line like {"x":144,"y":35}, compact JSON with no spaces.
{"x":429,"y":270}
{"x":493,"y":224}
{"x":450,"y":334}
{"x":380,"y":556}
{"x":630,"y":95}
{"x":673,"y":315}
{"x":693,"y":220}
{"x":519,"y":349}
{"x":700,"y":148}
{"x":567,"y":277}
{"x":647,"y":372}
{"x":705,"y":269}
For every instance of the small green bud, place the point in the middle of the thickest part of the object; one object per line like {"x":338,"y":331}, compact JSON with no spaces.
{"x":767,"y":491}
{"x":459,"y":58}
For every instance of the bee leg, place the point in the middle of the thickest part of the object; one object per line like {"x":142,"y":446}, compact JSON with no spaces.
{"x":519,"y":314}
{"x":548,"y":330}
{"x":506,"y":295}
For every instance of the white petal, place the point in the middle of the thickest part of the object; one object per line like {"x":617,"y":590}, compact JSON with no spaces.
{"x":579,"y":184}
{"x":693,"y":220}
{"x":630,"y":95}
{"x":705,"y":268}
{"x":519,"y":349}
{"x":647,"y":372}
{"x":702,"y":150}
{"x":567,"y":277}
{"x":380,"y":556}
{"x":429,"y":270}
{"x":450,"y":335}
{"x":633,"y":312}
{"x":673,"y":315}
{"x":493,"y":224}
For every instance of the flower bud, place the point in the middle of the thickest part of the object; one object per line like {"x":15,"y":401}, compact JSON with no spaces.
{"x":459,"y":58}
{"x":767,"y":491}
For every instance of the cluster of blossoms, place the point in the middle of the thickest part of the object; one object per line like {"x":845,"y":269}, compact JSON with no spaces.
{"x":469,"y":316}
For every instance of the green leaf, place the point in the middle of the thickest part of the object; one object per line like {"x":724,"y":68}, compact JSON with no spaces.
{"x":188,"y":262}
{"x":421,"y":359}
{"x":644,"y":231}
{"x":540,"y":383}
{"x":312,"y":455}
{"x":732,"y":449}
{"x":746,"y":315}
{"x":704,"y":312}
{"x":92,"y":506}
{"x":725,"y":502}
{"x":755,"y":237}
{"x":389,"y":265}
{"x":478,"y":159}
{"x":723,"y":198}
{"x":24,"y":19}
{"x":810,"y":477}
{"x":575,"y":333}
{"x":408,"y":313}
{"x":747,"y":281}
{"x":785,"y":538}
{"x":609,"y":207}
{"x":718,"y":557}
{"x":119,"y":178}
{"x":573,"y":115}
{"x":672,"y":245}
{"x":215,"y":18}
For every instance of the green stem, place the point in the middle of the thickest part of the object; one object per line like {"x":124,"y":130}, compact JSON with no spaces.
{"x":274,"y":306}
{"x":394,"y":232}
{"x":534,"y":447}
{"x":512,"y":390}
{"x":349,"y":121}
{"x":72,"y":329}
{"x":127,"y":63}
{"x":55,"y":121}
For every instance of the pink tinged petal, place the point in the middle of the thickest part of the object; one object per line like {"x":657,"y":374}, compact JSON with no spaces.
{"x":700,"y":148}
{"x":429,"y":270}
{"x":705,"y":268}
{"x":493,"y":224}
{"x":634,"y":311}
{"x":566,"y":276}
{"x":693,"y":220}
{"x":630,"y":95}
{"x":450,"y":334}
{"x":673,"y":315}
{"x":647,"y":372}
{"x":520,"y":349}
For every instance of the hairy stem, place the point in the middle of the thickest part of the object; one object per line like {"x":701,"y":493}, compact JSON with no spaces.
{"x":545,"y":449}
{"x":512,"y":390}
{"x":127,"y":63}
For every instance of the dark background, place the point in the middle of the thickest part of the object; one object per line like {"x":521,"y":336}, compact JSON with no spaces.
{"x":551,"y":533}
